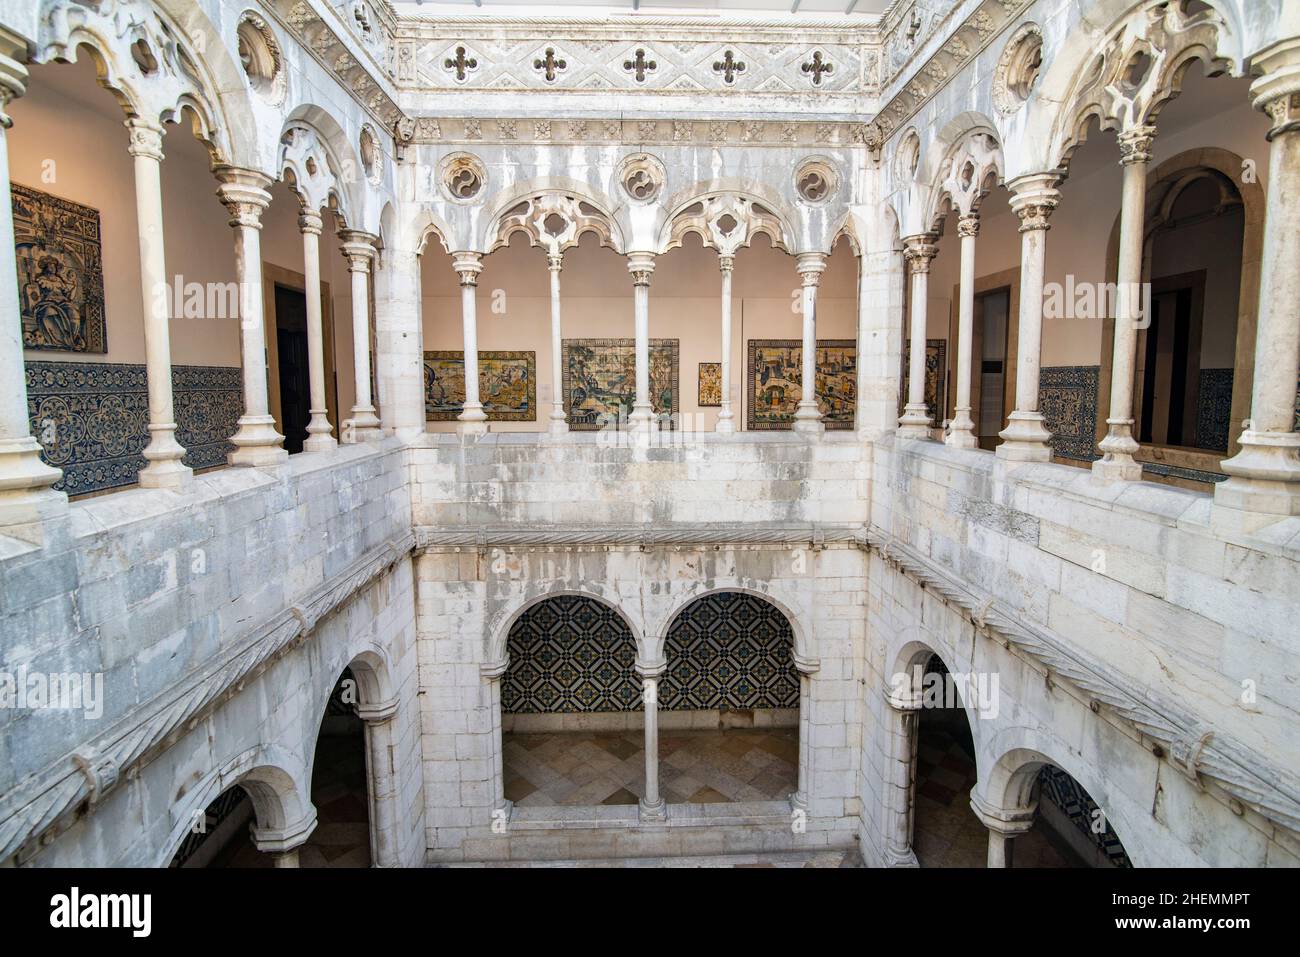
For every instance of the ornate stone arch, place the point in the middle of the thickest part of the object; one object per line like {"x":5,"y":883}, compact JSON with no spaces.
{"x":972,"y":167}
{"x":554,"y":220}
{"x":1139,"y":69}
{"x":601,"y":214}
{"x":805,"y":653}
{"x":309,"y":166}
{"x":726,"y":221}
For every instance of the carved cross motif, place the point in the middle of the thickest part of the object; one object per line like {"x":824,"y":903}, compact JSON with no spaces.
{"x":729,"y":66}
{"x":640,"y":65}
{"x":550,"y":65}
{"x":462,"y":64}
{"x":817,"y":66}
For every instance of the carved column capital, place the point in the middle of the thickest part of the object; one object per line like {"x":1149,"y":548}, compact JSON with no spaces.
{"x":309,"y":221}
{"x":810,"y":267}
{"x":918,"y":250}
{"x":1008,"y":822}
{"x":968,"y":226}
{"x":726,"y":263}
{"x":1135,"y":145}
{"x":244,"y":194}
{"x":13,"y":83}
{"x":1034,"y":199}
{"x":1277,"y":91}
{"x":146,"y":138}
{"x":641,"y":266}
{"x":467,"y":265}
{"x":555,"y":261}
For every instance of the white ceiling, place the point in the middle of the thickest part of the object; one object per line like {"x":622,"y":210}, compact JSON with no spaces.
{"x":856,"y":9}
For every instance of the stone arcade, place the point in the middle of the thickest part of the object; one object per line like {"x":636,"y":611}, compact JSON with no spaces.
{"x":864,"y":433}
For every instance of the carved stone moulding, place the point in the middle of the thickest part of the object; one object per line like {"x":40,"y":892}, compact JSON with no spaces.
{"x":642,"y":177}
{"x":462,"y":177}
{"x":816,"y":180}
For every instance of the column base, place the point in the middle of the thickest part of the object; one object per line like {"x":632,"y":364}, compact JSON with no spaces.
{"x":559,"y":424}
{"x":1264,"y":477}
{"x":726,"y":421}
{"x":366,"y":426}
{"x":257,"y":444}
{"x":906,"y":857}
{"x":914,"y":423}
{"x":163,"y":454}
{"x":961,"y":431}
{"x":642,"y":419}
{"x":656,"y":813}
{"x":472,"y":421}
{"x":1118,"y":448}
{"x":1025,"y":439}
{"x":319,"y":434}
{"x":24,"y":476}
{"x":808,"y":419}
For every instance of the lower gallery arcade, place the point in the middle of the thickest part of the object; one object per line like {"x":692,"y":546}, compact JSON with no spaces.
{"x":430,"y":485}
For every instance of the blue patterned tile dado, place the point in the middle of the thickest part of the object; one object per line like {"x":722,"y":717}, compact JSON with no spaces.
{"x":1065,"y":792}
{"x":1214,"y":409}
{"x":92,"y":418}
{"x":1067,"y":397}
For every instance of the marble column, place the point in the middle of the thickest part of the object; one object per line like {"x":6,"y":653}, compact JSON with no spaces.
{"x":1264,"y":477}
{"x":1025,"y":438}
{"x":493,"y":672}
{"x":726,"y":418}
{"x":961,"y":431}
{"x":25,"y":480}
{"x":163,"y":466}
{"x":559,"y":424}
{"x":399,"y":336}
{"x":1119,"y":445}
{"x":472,"y":420}
{"x":1004,"y":826}
{"x":652,"y":807}
{"x":918,"y":250}
{"x":807,"y":667}
{"x":382,"y":792}
{"x":642,"y":266}
{"x":903,"y":711}
{"x":808,"y":416}
{"x":319,"y":433}
{"x":244,"y":194}
{"x":359,"y":250}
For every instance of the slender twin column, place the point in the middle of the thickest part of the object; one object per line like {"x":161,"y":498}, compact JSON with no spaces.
{"x":1119,"y":445}
{"x":359,"y":250}
{"x":25,"y":480}
{"x":642,"y":266}
{"x":915,"y":422}
{"x":726,"y":418}
{"x":472,"y":420}
{"x":961,"y":432}
{"x":904,"y":711}
{"x":559,"y":424}
{"x":1264,"y":477}
{"x":652,"y":806}
{"x":244,"y":194}
{"x":319,"y":437}
{"x":1025,"y":438}
{"x":1004,"y":826}
{"x":164,"y":468}
{"x":808,"y":417}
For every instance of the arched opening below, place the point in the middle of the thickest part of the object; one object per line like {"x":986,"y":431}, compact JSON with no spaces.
{"x":572,"y":723}
{"x":729,"y":703}
{"x":341,"y":837}
{"x":221,"y":836}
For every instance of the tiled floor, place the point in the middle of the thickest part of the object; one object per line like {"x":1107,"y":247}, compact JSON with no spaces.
{"x":946,"y":832}
{"x":698,"y":767}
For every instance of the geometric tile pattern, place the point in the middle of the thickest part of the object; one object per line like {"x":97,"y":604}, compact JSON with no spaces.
{"x":1065,"y":792}
{"x":729,"y":650}
{"x":570,"y":654}
{"x":584,"y":769}
{"x":1067,"y":398}
{"x":1214,"y":409}
{"x":92,"y":418}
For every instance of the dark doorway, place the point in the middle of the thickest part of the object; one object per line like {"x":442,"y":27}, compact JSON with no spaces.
{"x":1172,"y":368}
{"x":291,"y":344}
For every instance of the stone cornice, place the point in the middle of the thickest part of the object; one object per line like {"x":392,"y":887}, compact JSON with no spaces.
{"x":510,"y":131}
{"x":1196,"y":751}
{"x":52,"y":798}
{"x":816,"y":535}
